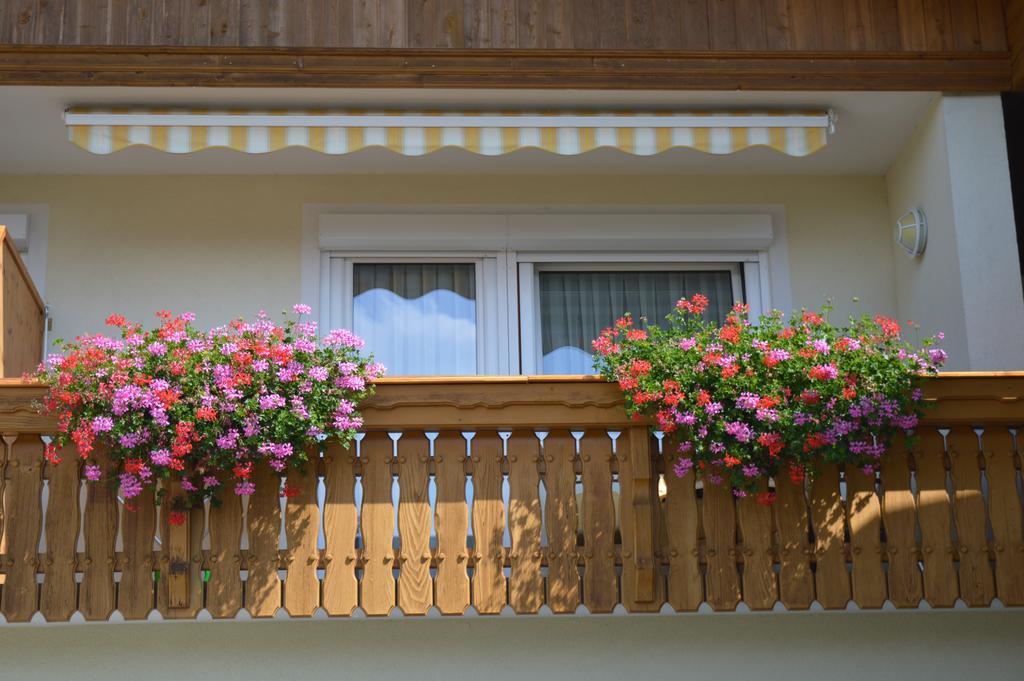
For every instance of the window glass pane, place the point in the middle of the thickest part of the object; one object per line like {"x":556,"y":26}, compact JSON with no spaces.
{"x":417,"y":318}
{"x":576,"y":306}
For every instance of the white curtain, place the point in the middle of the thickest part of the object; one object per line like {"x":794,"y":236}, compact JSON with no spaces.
{"x":576,"y":306}
{"x":417,"y":318}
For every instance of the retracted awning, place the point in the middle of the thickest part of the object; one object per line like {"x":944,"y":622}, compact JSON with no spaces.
{"x":415,"y":134}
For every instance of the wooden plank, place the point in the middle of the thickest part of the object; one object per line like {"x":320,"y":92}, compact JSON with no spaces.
{"x":415,"y":588}
{"x":641,"y":20}
{"x":912,"y":28}
{"x":796,"y":582}
{"x":938,"y":24}
{"x":643,"y":588}
{"x":832,"y":23}
{"x":96,"y":593}
{"x":488,"y":584}
{"x":301,"y":528}
{"x":179,"y":550}
{"x":1004,"y":512}
{"x":685,"y":583}
{"x":695,"y":22}
{"x":136,"y":593}
{"x":977,"y":585}
{"x":451,"y":522}
{"x":760,"y":583}
{"x":992,"y":24}
{"x":526,"y":584}
{"x":965,"y":31}
{"x":828,"y":518}
{"x":723,"y":582}
{"x":722,"y":25}
{"x":611,"y":29}
{"x":864,"y":517}
{"x":935,"y":517}
{"x":899,"y":516}
{"x":377,"y":587}
{"x":182,"y":553}
{"x":225,"y":23}
{"x":600,"y":582}
{"x":751,"y":33}
{"x":21,"y":314}
{"x":139,"y":22}
{"x":263,"y":586}
{"x":578,"y":69}
{"x":885,"y":24}
{"x":804,"y":25}
{"x":47,"y":25}
{"x":502,"y":26}
{"x":59,"y":597}
{"x":224,"y":587}
{"x":24,"y":474}
{"x":776,"y":24}
{"x":561,"y":520}
{"x":340,"y":588}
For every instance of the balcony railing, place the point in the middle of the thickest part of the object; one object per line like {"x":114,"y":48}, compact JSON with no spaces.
{"x":585,"y":517}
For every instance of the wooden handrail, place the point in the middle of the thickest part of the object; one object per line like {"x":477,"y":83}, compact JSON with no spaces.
{"x":539,"y":402}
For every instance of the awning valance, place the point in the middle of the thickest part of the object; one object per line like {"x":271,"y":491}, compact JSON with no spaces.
{"x":415,"y":134}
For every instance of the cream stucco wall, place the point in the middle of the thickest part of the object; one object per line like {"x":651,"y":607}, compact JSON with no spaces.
{"x":228,"y":245}
{"x":888,"y":646}
{"x":967,"y":283}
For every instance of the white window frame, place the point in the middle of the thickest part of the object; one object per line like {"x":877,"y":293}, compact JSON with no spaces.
{"x":510,"y":243}
{"x":339,"y":308}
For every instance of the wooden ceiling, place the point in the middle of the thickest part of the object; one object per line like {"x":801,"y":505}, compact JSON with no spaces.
{"x":690,"y":44}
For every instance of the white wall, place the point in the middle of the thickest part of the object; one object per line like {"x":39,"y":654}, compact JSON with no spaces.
{"x":967,"y":283}
{"x":896,"y":646}
{"x":229,"y":245}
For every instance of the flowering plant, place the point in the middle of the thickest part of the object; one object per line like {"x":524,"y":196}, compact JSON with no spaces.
{"x":204,"y":408}
{"x":745,"y":401}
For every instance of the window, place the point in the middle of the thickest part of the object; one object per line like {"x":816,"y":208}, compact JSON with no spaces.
{"x":418,"y":318}
{"x":574,"y":305}
{"x":518,"y":293}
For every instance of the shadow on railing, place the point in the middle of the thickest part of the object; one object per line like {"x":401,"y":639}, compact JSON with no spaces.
{"x":525,"y":493}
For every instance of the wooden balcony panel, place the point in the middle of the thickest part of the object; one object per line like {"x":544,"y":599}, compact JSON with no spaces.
{"x":599,"y":535}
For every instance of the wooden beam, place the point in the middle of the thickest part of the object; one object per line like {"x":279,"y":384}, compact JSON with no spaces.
{"x":1015,"y":38}
{"x":543,"y":69}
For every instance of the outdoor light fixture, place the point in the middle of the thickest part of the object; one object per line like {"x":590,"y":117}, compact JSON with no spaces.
{"x":912,"y":232}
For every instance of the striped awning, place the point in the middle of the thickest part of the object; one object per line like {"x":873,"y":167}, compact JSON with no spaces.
{"x":415,"y":134}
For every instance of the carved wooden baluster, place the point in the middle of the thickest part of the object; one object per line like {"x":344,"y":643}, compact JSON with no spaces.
{"x":224,"y":588}
{"x":378,"y":521}
{"x":600,"y":583}
{"x":832,"y":581}
{"x":563,"y":588}
{"x":899,"y":515}
{"x":1004,"y":512}
{"x":682,"y":521}
{"x":136,"y":591}
{"x":263,"y":586}
{"x":864,"y":515}
{"x":723,"y":582}
{"x":24,"y":473}
{"x":934,"y":514}
{"x":341,"y":589}
{"x":59,"y":596}
{"x":415,"y":588}
{"x":452,"y":524}
{"x":796,"y":582}
{"x":488,"y":585}
{"x":526,"y":584}
{"x":643,"y":589}
{"x":182,"y":597}
{"x":301,"y":526}
{"x":97,"y":593}
{"x":977,"y":586}
{"x":760,"y":584}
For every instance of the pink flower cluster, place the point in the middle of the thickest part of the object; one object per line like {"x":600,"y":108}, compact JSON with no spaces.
{"x":204,"y":408}
{"x":743,"y":402}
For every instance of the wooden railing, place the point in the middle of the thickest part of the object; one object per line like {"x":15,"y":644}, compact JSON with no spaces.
{"x":22,"y":313}
{"x":577,"y":519}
